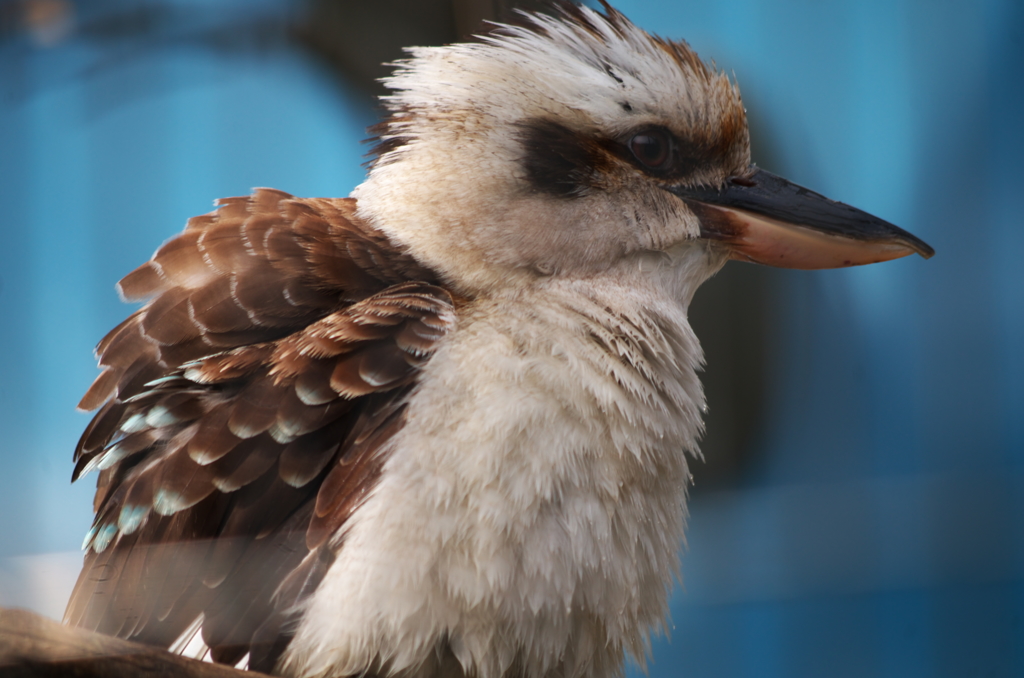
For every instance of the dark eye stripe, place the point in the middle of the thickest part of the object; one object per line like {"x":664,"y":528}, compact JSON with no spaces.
{"x":568,"y":163}
{"x":560,"y":161}
{"x":660,"y":153}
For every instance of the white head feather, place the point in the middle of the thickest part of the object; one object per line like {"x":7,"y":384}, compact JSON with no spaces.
{"x":453,"y":180}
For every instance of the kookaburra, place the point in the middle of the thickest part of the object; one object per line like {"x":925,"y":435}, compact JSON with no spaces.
{"x":440,"y":427}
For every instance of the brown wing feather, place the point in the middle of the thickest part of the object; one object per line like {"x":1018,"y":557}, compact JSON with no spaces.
{"x":253,"y":270}
{"x":244,"y":412}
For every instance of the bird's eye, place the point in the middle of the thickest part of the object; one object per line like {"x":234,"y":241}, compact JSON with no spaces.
{"x":653,"y":148}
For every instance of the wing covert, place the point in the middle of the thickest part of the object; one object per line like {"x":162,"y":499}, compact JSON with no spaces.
{"x":244,"y":414}
{"x":253,"y":270}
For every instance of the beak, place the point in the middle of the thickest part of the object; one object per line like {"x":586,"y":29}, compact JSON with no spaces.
{"x":766,"y":219}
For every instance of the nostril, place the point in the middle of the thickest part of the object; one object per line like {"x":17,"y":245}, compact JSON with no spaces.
{"x":742,"y":181}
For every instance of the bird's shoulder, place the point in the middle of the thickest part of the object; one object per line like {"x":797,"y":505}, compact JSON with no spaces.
{"x":243,"y":414}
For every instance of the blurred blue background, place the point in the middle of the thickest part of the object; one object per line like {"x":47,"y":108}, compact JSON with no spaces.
{"x":876,"y":527}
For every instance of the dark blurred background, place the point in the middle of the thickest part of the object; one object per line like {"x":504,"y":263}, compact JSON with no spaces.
{"x":860,"y":509}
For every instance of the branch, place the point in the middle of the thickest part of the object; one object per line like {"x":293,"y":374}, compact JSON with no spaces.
{"x":32,"y":646}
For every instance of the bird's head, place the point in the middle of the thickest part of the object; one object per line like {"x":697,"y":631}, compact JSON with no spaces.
{"x":571,"y":144}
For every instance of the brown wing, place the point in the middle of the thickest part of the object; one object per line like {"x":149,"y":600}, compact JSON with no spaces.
{"x":245,"y":411}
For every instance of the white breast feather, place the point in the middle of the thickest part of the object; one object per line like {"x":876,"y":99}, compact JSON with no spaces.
{"x":531,"y":510}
